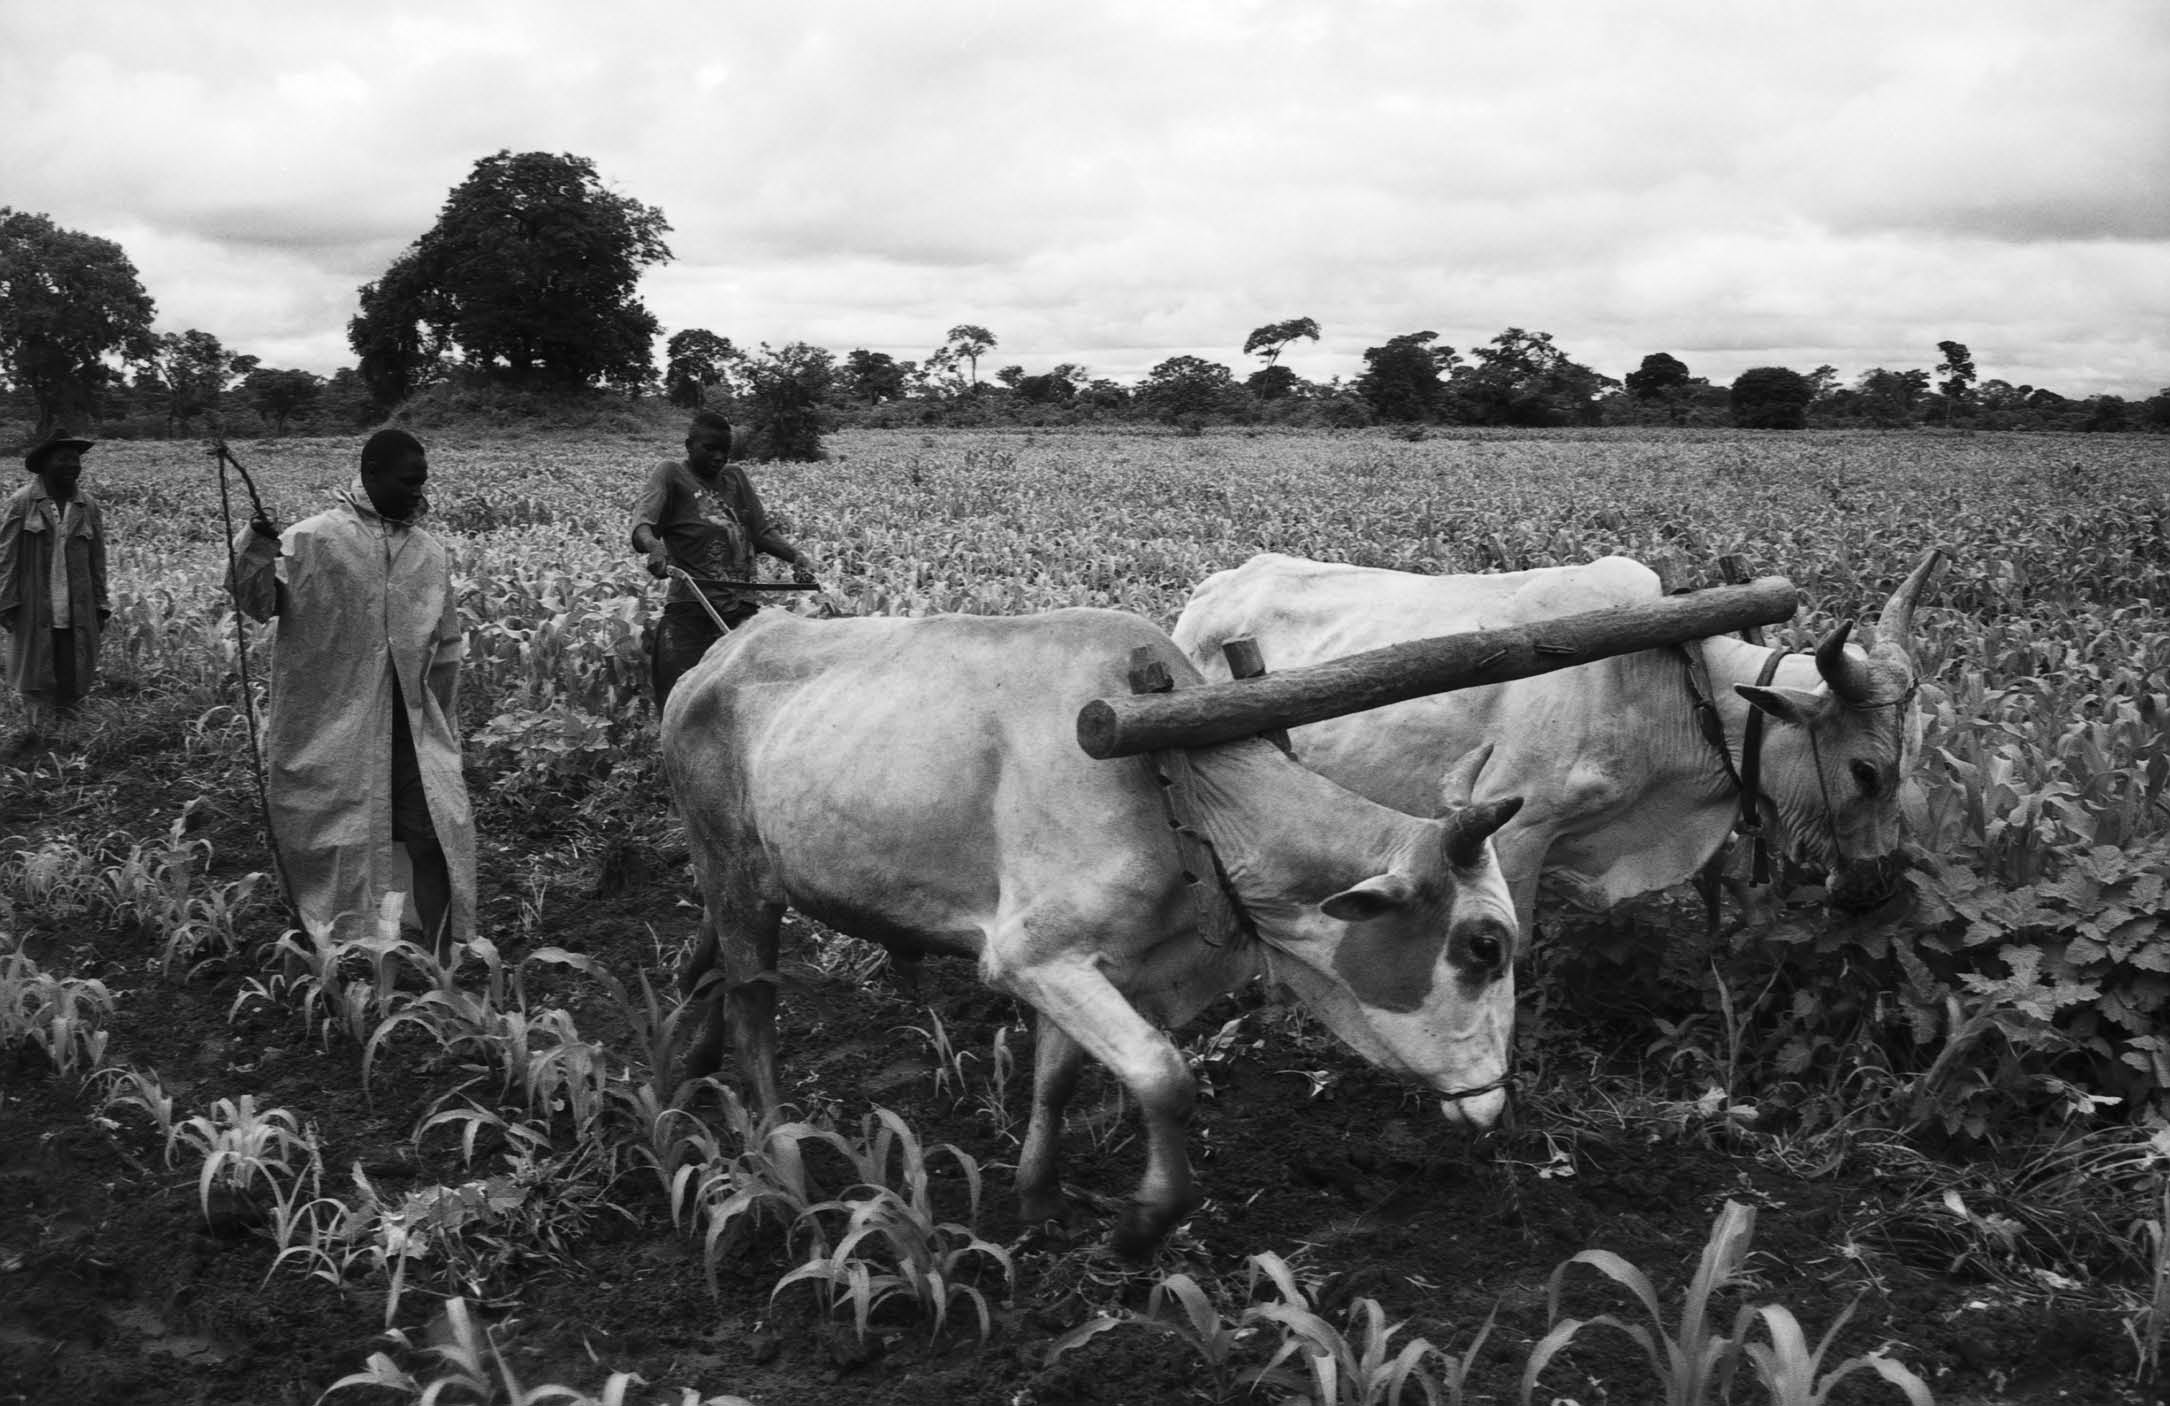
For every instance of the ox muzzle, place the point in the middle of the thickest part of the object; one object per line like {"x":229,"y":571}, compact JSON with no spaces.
{"x":1861,"y":884}
{"x":1479,"y":1106}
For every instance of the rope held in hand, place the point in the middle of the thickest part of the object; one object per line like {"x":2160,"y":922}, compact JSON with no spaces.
{"x":225,"y":457}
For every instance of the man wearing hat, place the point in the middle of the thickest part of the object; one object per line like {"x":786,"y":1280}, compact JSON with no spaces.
{"x":52,"y":584}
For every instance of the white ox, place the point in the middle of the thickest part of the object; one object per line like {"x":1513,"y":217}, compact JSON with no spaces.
{"x":1626,"y":791}
{"x":918,"y":782}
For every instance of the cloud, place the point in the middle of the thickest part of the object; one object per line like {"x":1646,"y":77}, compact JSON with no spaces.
{"x":1119,"y":183}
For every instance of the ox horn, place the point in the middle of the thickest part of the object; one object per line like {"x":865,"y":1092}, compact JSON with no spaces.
{"x":1848,"y":679}
{"x":1895,"y":627}
{"x":1469,"y":827}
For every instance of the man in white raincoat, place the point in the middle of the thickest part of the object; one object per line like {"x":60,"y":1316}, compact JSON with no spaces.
{"x":362,"y":744}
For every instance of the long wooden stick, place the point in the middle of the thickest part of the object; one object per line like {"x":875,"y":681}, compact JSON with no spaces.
{"x":1222,"y":712}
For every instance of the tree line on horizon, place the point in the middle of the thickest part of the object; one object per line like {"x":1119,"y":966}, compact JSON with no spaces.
{"x":527,"y":286}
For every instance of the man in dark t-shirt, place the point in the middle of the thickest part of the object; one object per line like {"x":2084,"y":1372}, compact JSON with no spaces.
{"x":703,"y":517}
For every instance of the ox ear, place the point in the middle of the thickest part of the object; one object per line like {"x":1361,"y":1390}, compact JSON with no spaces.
{"x":1458,"y":784}
{"x":1788,"y":705}
{"x":1374,"y":898}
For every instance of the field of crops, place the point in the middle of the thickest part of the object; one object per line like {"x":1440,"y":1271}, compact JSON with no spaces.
{"x":237,"y":1167}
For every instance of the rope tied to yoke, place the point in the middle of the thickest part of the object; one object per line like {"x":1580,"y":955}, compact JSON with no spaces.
{"x":1220,"y":917}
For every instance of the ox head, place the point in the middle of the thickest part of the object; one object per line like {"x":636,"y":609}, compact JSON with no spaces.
{"x":1414,"y":966}
{"x":1837,"y":765}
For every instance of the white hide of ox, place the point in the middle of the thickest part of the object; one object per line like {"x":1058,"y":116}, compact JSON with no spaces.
{"x":1625,"y":793}
{"x":918,"y":782}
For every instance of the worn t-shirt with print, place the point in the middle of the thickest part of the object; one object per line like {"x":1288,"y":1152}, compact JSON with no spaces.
{"x":710,"y":530}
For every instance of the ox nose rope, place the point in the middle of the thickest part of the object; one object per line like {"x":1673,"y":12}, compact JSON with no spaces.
{"x":1504,"y":1081}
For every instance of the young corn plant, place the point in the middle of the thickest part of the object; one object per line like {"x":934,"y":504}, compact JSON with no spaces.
{"x":889,"y":1250}
{"x":1178,"y":1306}
{"x":730,"y":1198}
{"x":60,"y":1016}
{"x":991,"y":1102}
{"x":58,"y":876}
{"x":1793,"y":1374}
{"x":133,"y":1088}
{"x":149,"y":885}
{"x":951,"y":1066}
{"x":892,"y":1245}
{"x":472,"y":1368}
{"x":246,"y":1152}
{"x":211,"y":923}
{"x":2150,"y":1324}
{"x":1688,"y":1363}
{"x":1691,"y":1365}
{"x":1360,"y":1367}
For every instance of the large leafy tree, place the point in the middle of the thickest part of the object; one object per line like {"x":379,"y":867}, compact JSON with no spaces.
{"x":529,"y":272}
{"x":1272,"y":383}
{"x":968,"y":342}
{"x":696,"y":360}
{"x":1957,"y":369}
{"x":1402,"y":380}
{"x":1771,"y":398}
{"x":69,"y":304}
{"x":785,"y":388}
{"x":196,"y":370}
{"x":1187,"y":389}
{"x":1662,"y":381}
{"x":1521,"y":378}
{"x":399,"y":336}
{"x":874,"y":376}
{"x":1272,"y":339}
{"x":280,"y":395}
{"x":1890,"y":397}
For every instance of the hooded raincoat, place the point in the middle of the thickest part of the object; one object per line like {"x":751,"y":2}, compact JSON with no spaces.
{"x":361,"y":600}
{"x":32,"y":528}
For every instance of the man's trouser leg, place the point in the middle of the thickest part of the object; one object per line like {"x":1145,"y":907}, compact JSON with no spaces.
{"x":682,"y":637}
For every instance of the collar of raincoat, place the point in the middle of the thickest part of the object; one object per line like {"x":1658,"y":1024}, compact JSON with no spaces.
{"x":357,"y":497}
{"x":39,"y":496}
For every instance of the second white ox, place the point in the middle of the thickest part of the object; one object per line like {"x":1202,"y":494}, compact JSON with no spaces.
{"x":919,"y":783}
{"x":1626,"y":791}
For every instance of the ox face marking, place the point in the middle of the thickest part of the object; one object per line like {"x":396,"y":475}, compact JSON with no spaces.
{"x":1399,"y":929}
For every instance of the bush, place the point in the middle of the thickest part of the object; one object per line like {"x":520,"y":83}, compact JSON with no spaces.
{"x":784,"y":403}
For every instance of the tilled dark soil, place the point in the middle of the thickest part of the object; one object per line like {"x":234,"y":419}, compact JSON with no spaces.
{"x":114,"y":1288}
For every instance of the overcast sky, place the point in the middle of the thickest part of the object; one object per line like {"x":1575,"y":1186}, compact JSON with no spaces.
{"x":1738,"y":183}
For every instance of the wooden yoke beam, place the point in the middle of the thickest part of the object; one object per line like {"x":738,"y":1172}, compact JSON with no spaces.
{"x":1223,"y":712}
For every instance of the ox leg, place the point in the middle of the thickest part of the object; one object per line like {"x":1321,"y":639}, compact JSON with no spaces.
{"x":1075,"y":996}
{"x":748,"y":951}
{"x":1056,"y":1062}
{"x":705,"y":1056}
{"x":731,"y":972}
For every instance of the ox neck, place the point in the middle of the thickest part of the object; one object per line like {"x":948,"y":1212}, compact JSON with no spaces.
{"x":1715,"y":665}
{"x":1263,"y":814}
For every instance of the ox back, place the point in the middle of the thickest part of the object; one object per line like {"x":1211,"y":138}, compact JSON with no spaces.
{"x":1625,"y":792}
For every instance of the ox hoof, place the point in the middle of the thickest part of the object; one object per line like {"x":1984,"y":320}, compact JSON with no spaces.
{"x":1034,"y":1207}
{"x":1140,"y":1229}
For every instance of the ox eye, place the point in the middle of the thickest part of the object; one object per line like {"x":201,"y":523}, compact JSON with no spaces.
{"x":1484,"y":949}
{"x":1866,"y":778}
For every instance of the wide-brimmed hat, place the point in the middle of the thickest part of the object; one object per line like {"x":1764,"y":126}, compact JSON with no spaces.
{"x":34,"y":456}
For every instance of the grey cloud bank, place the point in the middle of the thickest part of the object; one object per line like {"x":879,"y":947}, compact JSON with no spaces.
{"x":1116,"y":184}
